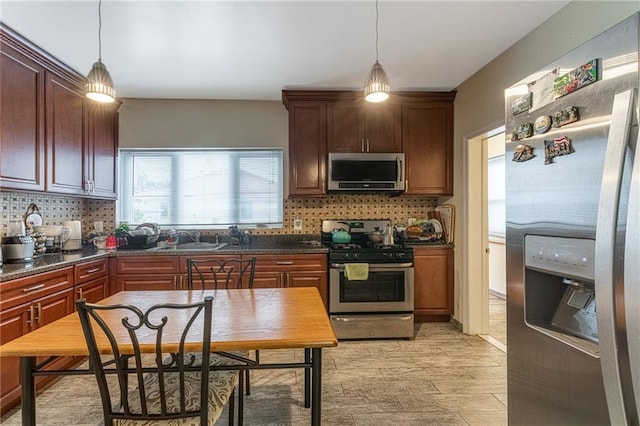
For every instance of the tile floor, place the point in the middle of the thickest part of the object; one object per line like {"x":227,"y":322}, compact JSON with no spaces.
{"x":498,"y":319}
{"x":443,"y":377}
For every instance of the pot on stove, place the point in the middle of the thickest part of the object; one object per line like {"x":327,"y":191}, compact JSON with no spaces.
{"x":340,"y":236}
{"x":376,"y":236}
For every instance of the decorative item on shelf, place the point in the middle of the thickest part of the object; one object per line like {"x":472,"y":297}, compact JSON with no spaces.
{"x":522,"y":152}
{"x":377,"y":86}
{"x":565,"y":116}
{"x":525,"y":130}
{"x":556,"y":147}
{"x":99,"y":86}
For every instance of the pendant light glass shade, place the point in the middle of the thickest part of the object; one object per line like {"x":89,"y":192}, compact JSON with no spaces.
{"x":377,"y":88}
{"x":99,"y":85}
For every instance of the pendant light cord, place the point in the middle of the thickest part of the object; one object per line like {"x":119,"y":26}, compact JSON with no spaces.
{"x":100,"y":30}
{"x":376,"y":30}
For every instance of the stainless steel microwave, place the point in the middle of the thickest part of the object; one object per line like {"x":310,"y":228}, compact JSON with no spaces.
{"x":365,"y":172}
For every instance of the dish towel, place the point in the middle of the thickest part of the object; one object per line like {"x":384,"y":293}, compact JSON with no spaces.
{"x":356,"y":271}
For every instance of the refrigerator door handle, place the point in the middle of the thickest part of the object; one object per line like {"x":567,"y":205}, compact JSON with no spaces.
{"x":605,"y":245}
{"x":632,"y":275}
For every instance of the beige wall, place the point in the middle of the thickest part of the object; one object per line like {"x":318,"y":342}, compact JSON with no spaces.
{"x":479,"y":107}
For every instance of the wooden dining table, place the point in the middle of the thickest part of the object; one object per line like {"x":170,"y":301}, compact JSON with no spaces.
{"x":243,"y":319}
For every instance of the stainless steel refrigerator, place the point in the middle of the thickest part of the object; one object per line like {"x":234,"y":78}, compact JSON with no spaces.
{"x":573,"y":237}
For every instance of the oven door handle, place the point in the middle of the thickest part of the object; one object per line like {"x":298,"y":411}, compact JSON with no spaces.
{"x":376,"y":266}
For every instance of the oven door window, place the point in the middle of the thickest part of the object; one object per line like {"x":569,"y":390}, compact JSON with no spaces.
{"x":386,"y":286}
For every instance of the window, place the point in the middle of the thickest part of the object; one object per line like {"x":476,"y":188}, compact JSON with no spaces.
{"x":212,"y":188}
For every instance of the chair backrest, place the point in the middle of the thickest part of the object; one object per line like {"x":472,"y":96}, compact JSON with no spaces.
{"x":154,"y":388}
{"x":221,"y":273}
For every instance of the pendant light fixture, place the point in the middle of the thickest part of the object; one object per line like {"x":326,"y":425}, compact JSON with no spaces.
{"x":377,"y":87}
{"x":99,"y":86}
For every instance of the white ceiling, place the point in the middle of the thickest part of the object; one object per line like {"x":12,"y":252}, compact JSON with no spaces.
{"x":253,"y":49}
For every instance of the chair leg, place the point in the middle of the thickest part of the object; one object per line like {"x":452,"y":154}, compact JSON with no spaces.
{"x":241,"y":379}
{"x":232,"y":406}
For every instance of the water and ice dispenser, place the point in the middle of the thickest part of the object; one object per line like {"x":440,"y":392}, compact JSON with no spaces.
{"x":560,"y":298}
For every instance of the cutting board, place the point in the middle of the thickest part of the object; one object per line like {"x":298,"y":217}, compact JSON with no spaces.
{"x":447,"y":215}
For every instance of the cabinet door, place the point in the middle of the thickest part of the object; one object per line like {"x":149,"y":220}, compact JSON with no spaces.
{"x":13,"y":324}
{"x":427,"y":140}
{"x":433,"y":277}
{"x":383,"y":128}
{"x":317,"y":279}
{"x":53,"y":307}
{"x":93,"y":291}
{"x":307,"y":147}
{"x":268,"y":280}
{"x":102,"y":149}
{"x":22,"y":162}
{"x":66,"y":166}
{"x":345,"y":127}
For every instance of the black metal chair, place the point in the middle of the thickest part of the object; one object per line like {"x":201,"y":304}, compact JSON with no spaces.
{"x":159,"y":388}
{"x":230,"y":273}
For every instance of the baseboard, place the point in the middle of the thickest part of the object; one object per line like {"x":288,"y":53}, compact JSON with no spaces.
{"x":498,"y":294}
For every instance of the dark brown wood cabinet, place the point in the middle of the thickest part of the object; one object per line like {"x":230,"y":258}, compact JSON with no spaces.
{"x":53,"y":138}
{"x":101,"y":154}
{"x":65,"y":136}
{"x":427,"y":140}
{"x":25,"y":305}
{"x":307,"y":147}
{"x":433,"y":278}
{"x":292,"y":270}
{"x":355,"y":126}
{"x":22,"y":163}
{"x":419,"y":124}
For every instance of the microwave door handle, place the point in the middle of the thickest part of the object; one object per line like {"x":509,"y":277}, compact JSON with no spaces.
{"x":400,"y":174}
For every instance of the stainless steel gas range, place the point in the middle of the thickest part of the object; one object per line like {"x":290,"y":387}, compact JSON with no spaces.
{"x":377,"y":302}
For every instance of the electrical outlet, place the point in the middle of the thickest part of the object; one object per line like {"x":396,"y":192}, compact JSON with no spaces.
{"x":297,"y":224}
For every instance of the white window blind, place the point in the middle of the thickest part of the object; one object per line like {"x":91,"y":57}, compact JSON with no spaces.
{"x":204,"y":188}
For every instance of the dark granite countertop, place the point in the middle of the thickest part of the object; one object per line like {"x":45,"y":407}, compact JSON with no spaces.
{"x":264,"y":244}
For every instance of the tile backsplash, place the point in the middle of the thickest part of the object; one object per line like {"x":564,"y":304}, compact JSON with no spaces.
{"x":55,"y":209}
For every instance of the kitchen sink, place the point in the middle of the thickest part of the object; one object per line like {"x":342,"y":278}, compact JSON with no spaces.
{"x":191,"y":246}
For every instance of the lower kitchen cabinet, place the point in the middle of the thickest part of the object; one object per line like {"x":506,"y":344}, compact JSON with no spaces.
{"x":433,"y":277}
{"x":25,"y":305}
{"x":297,"y":270}
{"x":148,"y":273}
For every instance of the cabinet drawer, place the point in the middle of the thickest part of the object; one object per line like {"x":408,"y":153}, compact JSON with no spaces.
{"x":91,"y":270}
{"x":294,"y":262}
{"x":148,"y":265}
{"x":24,"y":290}
{"x":220,"y":257}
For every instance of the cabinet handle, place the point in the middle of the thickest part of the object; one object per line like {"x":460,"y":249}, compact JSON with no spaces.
{"x":284,"y":262}
{"x":79,"y":293}
{"x":286,"y":280}
{"x":35,"y":287}
{"x":93,"y":187}
{"x":39,"y":317}
{"x":31,"y":317}
{"x":367,"y":145}
{"x":91,"y":271}
{"x":181,"y":282}
{"x":175,"y":283}
{"x":361,"y":145}
{"x":87,"y":185}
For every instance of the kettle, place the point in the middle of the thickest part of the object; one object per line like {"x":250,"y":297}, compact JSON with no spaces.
{"x":340,"y":236}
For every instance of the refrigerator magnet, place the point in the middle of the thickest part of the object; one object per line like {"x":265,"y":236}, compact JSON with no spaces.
{"x":565,"y":116}
{"x":556,"y":147}
{"x":575,"y":79}
{"x":520,"y":105}
{"x":525,"y":130}
{"x":542,"y":124}
{"x":522,"y":153}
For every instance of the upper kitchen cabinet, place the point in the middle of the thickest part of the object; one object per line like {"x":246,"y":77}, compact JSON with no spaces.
{"x":419,"y":124}
{"x":427,"y":141}
{"x":65,"y":135}
{"x":101,"y":150}
{"x":22,"y":163}
{"x":53,"y":138}
{"x":357,"y":126}
{"x":307,"y":146}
